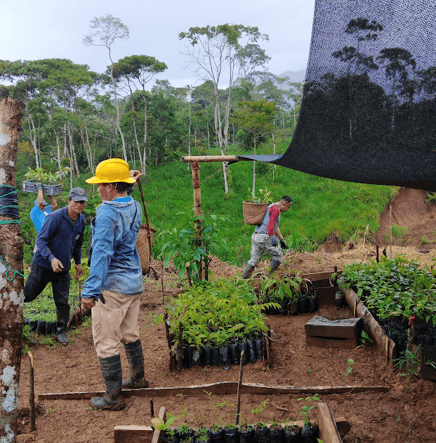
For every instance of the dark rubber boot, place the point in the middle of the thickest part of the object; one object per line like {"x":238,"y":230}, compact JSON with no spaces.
{"x":274,"y":265}
{"x":135,"y":358}
{"x":113,"y":398}
{"x":61,"y":326}
{"x":248,"y":271}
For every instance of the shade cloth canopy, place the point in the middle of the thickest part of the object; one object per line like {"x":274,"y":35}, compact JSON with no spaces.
{"x":368,"y":112}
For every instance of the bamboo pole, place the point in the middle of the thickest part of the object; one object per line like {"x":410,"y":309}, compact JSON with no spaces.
{"x":212,"y":158}
{"x":195,"y":167}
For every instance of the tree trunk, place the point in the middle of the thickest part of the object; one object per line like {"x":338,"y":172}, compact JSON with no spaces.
{"x":219,"y":133}
{"x":33,"y":141}
{"x":117,"y":106}
{"x":144,"y":158}
{"x":11,"y":282}
{"x":138,"y":147}
{"x":254,"y":171}
{"x":73,"y":151}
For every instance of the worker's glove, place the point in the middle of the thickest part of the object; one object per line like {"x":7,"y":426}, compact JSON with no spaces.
{"x":274,"y":240}
{"x":283,"y":243}
{"x":38,"y":186}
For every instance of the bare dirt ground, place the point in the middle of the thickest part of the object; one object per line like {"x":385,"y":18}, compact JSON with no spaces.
{"x":406,"y":413}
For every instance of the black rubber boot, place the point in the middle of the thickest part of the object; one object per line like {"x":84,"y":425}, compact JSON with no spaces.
{"x":248,"y":271}
{"x":274,"y":265}
{"x":113,"y":398}
{"x":135,"y":358}
{"x":61,"y":327}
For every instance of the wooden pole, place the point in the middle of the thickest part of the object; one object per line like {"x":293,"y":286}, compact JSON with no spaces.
{"x":211,"y":158}
{"x":197,"y":205}
{"x":11,"y":274}
{"x":31,"y":392}
{"x":238,"y":394}
{"x":390,"y":232}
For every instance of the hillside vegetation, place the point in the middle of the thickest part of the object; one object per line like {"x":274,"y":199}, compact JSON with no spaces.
{"x":321,"y":207}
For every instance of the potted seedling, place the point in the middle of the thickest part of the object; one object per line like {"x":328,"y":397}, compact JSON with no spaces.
{"x":202,"y":435}
{"x":276,"y":432}
{"x":261,"y":429}
{"x":310,"y":429}
{"x":292,"y":431}
{"x":170,"y":434}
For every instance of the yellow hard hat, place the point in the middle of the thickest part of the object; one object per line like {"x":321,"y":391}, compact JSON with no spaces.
{"x":113,"y":170}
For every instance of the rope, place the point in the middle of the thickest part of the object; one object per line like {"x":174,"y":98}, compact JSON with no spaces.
{"x":210,"y":176}
{"x":5,"y":222}
{"x":8,"y":269}
{"x":14,"y":191}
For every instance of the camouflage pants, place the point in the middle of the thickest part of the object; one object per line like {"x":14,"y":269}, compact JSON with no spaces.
{"x":261,"y":243}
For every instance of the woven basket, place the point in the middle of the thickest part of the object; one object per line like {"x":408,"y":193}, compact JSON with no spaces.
{"x":143,"y":247}
{"x":253,"y":212}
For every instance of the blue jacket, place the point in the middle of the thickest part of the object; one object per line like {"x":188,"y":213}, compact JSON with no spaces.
{"x":58,"y":238}
{"x":115,"y":263}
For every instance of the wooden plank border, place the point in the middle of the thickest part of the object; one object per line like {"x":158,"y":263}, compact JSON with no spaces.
{"x":218,"y":388}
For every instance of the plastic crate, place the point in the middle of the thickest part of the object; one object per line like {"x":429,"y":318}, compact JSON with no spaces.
{"x":47,"y":189}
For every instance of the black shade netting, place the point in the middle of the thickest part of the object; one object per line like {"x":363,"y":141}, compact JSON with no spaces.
{"x":368,"y":113}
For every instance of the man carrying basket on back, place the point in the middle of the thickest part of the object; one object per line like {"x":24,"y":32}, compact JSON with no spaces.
{"x":265,"y":238}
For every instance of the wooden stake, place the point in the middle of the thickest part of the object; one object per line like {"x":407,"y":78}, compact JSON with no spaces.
{"x":180,"y":349}
{"x":163,"y":269}
{"x":238,"y":393}
{"x":151,"y":409}
{"x":31,"y":393}
{"x":390,"y":233}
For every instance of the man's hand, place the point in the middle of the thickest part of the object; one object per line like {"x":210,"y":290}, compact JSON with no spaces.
{"x":56,"y":265}
{"x":283,"y":243}
{"x":88,"y":303}
{"x":79,"y":271}
{"x":135,"y":174}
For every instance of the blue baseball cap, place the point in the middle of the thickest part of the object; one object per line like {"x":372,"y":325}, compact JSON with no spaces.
{"x":78,"y":195}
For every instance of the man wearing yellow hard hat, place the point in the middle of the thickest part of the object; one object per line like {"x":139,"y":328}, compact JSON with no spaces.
{"x":115,"y":282}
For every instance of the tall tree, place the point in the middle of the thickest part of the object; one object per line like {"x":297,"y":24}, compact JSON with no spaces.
{"x":398,"y":64}
{"x":137,"y":70}
{"x":106,"y":30}
{"x":257,"y":118}
{"x":224,"y":51}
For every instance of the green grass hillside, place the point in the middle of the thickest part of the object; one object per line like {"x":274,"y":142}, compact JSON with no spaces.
{"x":321,"y":206}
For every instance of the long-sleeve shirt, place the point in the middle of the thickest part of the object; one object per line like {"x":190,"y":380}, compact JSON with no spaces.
{"x":115,"y":263}
{"x":60,"y":237}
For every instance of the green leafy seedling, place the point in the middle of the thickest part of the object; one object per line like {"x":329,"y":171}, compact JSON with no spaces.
{"x":349,"y":369}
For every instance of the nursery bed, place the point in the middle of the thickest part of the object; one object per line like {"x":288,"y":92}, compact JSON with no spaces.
{"x":404,"y":413}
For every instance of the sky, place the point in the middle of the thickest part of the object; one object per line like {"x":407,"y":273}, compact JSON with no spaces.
{"x":38,"y":29}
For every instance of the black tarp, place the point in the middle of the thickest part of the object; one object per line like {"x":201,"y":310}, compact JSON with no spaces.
{"x":368,"y":113}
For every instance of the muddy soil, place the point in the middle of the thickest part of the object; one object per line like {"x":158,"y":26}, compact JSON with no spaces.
{"x":405,"y":413}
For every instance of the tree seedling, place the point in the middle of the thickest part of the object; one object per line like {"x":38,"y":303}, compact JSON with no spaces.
{"x":307,"y":407}
{"x":349,"y":369}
